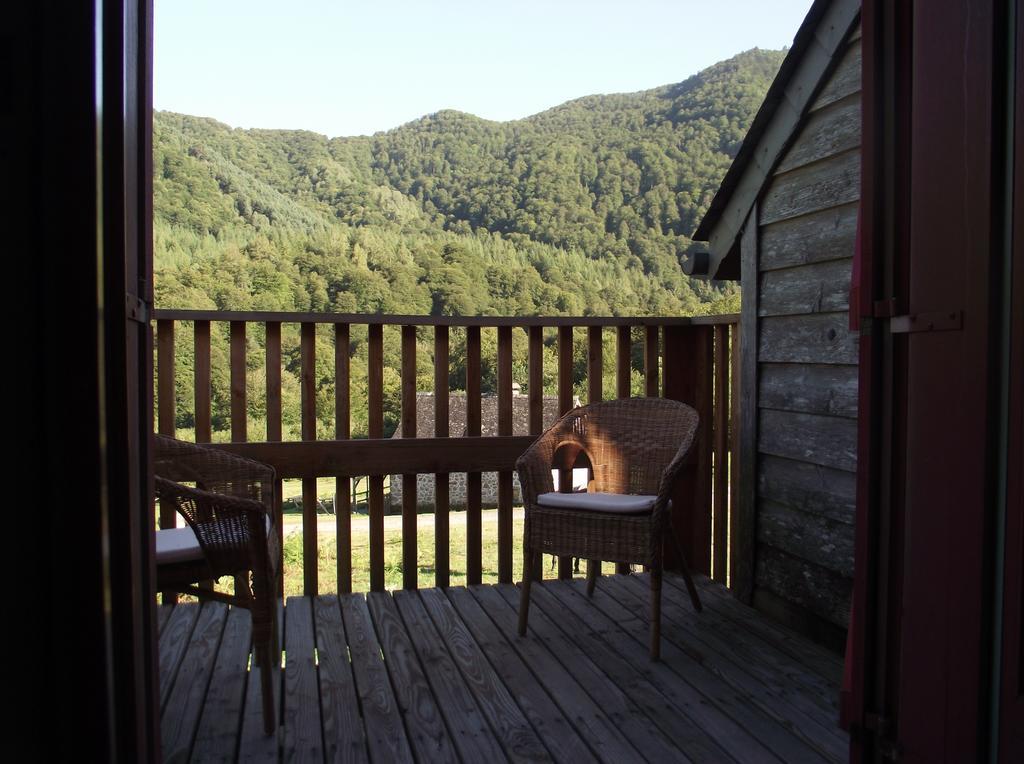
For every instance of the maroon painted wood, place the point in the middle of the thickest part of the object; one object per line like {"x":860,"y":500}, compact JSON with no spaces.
{"x":942,"y":683}
{"x":1011,"y":742}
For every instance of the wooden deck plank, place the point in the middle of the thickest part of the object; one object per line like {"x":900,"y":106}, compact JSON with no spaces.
{"x":728,"y":713}
{"x":557,"y":734}
{"x":163,"y":613}
{"x":253,"y":744}
{"x":303,"y":732}
{"x":469,"y":729}
{"x":172,"y":645}
{"x":217,"y":736}
{"x":343,"y":735}
{"x":684,"y":711}
{"x":185,"y":703}
{"x":428,"y":737}
{"x":440,"y":675}
{"x":385,"y":733}
{"x":757,"y":652}
{"x":514,"y":732}
{"x":585,"y":713}
{"x":808,"y":720}
{"x":808,"y":653}
{"x":624,"y":701}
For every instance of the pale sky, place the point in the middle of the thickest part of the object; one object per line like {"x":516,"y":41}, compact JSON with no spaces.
{"x":353,"y":68}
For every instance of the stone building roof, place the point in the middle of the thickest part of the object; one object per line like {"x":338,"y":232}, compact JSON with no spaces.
{"x":488,"y":414}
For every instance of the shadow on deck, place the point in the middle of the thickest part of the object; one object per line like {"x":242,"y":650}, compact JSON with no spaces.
{"x":436,"y":675}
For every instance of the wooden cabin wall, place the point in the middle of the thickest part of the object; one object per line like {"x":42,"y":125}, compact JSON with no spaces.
{"x":807,"y":367}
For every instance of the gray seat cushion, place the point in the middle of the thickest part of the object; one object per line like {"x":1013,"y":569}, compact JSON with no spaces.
{"x":177,"y":545}
{"x":624,"y":504}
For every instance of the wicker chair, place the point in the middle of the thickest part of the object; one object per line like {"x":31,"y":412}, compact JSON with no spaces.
{"x":636,"y":447}
{"x":230,"y":532}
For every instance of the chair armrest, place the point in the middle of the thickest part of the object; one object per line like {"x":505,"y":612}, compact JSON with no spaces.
{"x":668,"y":477}
{"x":534,"y":468}
{"x":234,"y":532}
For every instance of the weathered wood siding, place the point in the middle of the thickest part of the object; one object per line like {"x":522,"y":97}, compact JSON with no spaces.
{"x":806,"y":366}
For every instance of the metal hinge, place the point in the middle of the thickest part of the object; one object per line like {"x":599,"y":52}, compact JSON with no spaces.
{"x":135,"y":309}
{"x":889,"y":748}
{"x":941,"y":321}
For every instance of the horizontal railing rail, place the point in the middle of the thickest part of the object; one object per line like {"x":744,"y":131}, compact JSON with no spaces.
{"x":692,"y":359}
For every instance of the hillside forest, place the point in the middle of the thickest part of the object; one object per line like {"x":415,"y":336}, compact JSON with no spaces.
{"x":584,"y":209}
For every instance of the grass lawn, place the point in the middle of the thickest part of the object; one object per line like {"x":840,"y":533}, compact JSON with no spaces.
{"x":328,"y":556}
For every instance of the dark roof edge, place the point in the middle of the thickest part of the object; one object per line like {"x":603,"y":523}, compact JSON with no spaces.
{"x":824,"y":30}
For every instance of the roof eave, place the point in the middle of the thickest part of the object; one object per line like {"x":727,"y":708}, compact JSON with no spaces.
{"x":800,"y":78}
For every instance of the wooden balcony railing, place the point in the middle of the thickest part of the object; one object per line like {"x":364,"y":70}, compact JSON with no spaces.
{"x":688,"y":359}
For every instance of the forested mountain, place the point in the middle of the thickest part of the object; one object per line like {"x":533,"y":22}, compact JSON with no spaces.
{"x":581,"y":209}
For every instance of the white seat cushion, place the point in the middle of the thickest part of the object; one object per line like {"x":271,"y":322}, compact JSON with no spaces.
{"x":177,"y":545}
{"x":626,"y":504}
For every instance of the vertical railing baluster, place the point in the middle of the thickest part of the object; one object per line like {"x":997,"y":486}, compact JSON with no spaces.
{"x":651,"y":361}
{"x":536,"y":393}
{"x":239,"y":415}
{"x":704,"y":397}
{"x":474,"y":536}
{"x":343,"y":431}
{"x":310,"y":561}
{"x":166,"y":404}
{"x":201,"y":397}
{"x":273,"y":374}
{"x":442,"y":508}
{"x":687,"y":377}
{"x":505,"y":476}
{"x":166,"y":414}
{"x":623,"y":361}
{"x":410,"y":568}
{"x":595,"y":390}
{"x":720,"y":517}
{"x":623,"y":384}
{"x":375,"y":427}
{"x":565,"y":403}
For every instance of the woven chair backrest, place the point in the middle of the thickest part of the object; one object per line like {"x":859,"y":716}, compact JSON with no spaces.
{"x":630,"y":442}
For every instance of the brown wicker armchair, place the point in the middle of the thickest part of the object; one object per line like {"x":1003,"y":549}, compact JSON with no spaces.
{"x":230,"y":532}
{"x":636,"y":447}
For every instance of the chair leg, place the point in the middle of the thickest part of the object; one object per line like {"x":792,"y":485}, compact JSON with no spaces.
{"x":656,"y":612}
{"x":593,"y":569}
{"x":524,"y":590}
{"x":685,"y":569}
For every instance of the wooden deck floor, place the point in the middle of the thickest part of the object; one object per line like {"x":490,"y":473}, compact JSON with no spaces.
{"x":436,"y":675}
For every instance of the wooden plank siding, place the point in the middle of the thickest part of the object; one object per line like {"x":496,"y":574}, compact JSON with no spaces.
{"x":440,"y":675}
{"x":806,"y":373}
